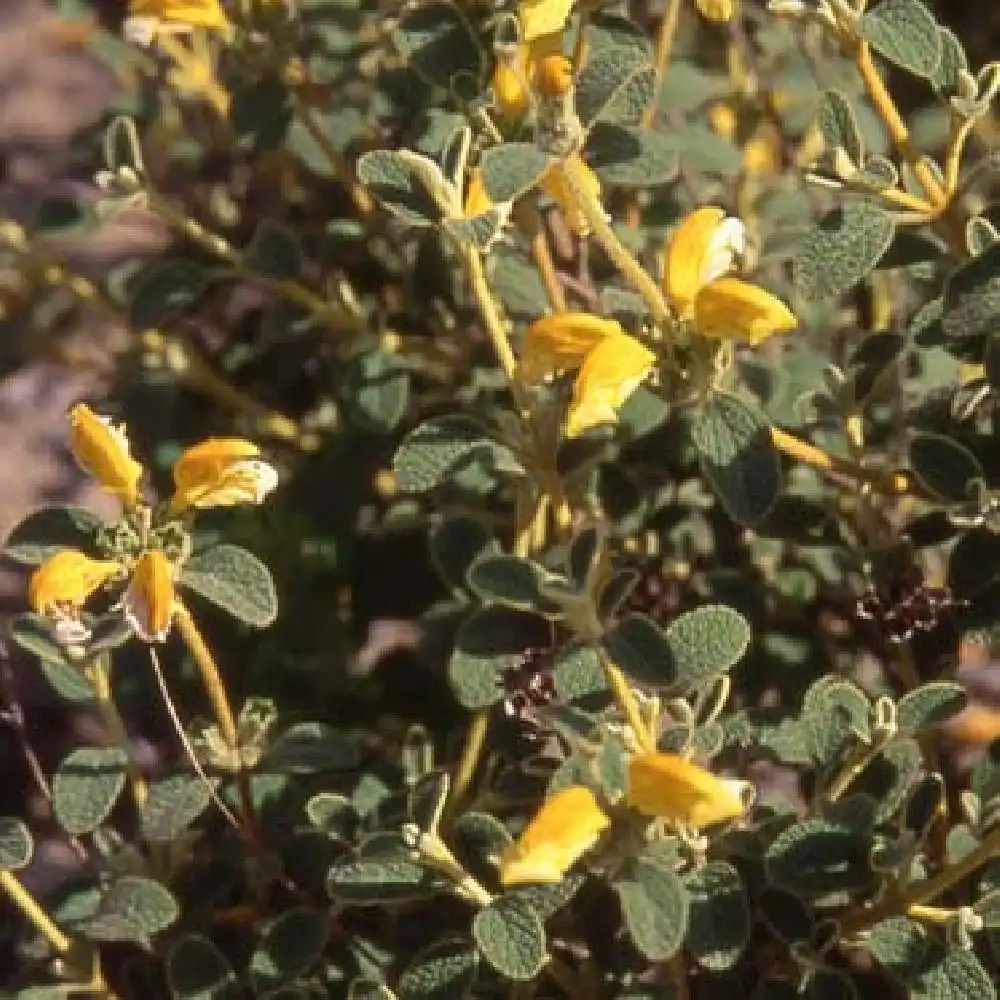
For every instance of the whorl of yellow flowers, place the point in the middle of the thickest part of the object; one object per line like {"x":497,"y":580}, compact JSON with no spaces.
{"x":217,"y":472}
{"x":571,"y":822}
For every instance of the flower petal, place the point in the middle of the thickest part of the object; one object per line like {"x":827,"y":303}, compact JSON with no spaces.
{"x":703,"y":247}
{"x":730,"y":308}
{"x":195,"y":13}
{"x":149,"y":598}
{"x":668,"y":786}
{"x":102,"y":450}
{"x":611,"y":373}
{"x":221,"y":472}
{"x":562,"y":341}
{"x":66,"y":581}
{"x":542,"y":17}
{"x":568,"y":825}
{"x":477,"y":201}
{"x":717,"y":11}
{"x":555,"y":185}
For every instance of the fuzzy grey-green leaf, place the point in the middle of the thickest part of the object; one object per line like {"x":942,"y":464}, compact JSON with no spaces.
{"x":289,"y":948}
{"x":706,"y":642}
{"x":16,"y":845}
{"x":87,"y":785}
{"x":235,"y":580}
{"x":444,"y":971}
{"x":433,"y":449}
{"x":133,"y":909}
{"x":733,"y":440}
{"x":274,"y":252}
{"x":943,"y":467}
{"x":839,"y":126}
{"x":639,"y":647}
{"x":197,"y":970}
{"x":718,"y":919}
{"x":840,"y":249}
{"x":437,"y":42}
{"x":972,"y":296}
{"x":395,"y":179}
{"x":655,"y":908}
{"x":905,"y":33}
{"x":511,"y":937}
{"x":631,"y":156}
{"x":512,"y":168}
{"x":929,"y":705}
{"x":49,"y":530}
{"x":172,"y":805}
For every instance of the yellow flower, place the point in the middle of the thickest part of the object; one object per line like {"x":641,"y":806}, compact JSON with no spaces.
{"x":516,"y":70}
{"x":542,"y":17}
{"x":701,"y":253}
{"x":717,"y":11}
{"x":67,"y":580}
{"x":221,"y":472}
{"x":102,"y":450}
{"x":555,"y":185}
{"x":186,"y":13}
{"x":149,"y":597}
{"x":612,"y":364}
{"x":668,"y":786}
{"x":477,"y":201}
{"x":612,"y":372}
{"x":568,"y":825}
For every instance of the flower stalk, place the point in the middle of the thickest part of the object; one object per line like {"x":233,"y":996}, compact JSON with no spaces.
{"x":33,"y":912}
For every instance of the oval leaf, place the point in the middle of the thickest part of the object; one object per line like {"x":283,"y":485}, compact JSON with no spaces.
{"x":511,"y":937}
{"x":86,"y":787}
{"x":236,"y":581}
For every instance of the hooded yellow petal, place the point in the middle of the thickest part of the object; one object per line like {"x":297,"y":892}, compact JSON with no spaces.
{"x":568,"y":825}
{"x":703,"y":247}
{"x":196,"y":13}
{"x":717,"y":11}
{"x":670,"y":787}
{"x":611,"y":373}
{"x":149,"y":598}
{"x":542,"y":17}
{"x":221,"y":472}
{"x":102,"y":450}
{"x":555,"y":185}
{"x":562,"y":341}
{"x":66,"y":581}
{"x":728,"y":308}
{"x":477,"y":201}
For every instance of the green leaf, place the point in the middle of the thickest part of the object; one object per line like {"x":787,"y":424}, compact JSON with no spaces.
{"x":197,"y":970}
{"x":972,"y":296}
{"x":840,"y":249}
{"x":639,"y":647}
{"x":163,"y":290}
{"x":511,"y":937}
{"x":289,"y":948}
{"x":957,"y":975}
{"x":235,"y":580}
{"x":378,"y":391}
{"x":16,"y":844}
{"x":945,"y":79}
{"x":980,"y":234}
{"x":491,"y":641}
{"x":655,"y":908}
{"x":632,"y":156}
{"x":579,"y":677}
{"x":429,"y":453}
{"x":718,"y":919}
{"x":34,"y":633}
{"x":49,"y":530}
{"x":513,"y":582}
{"x":839,"y":126}
{"x":818,"y":856}
{"x":133,"y":910}
{"x":512,"y":168}
{"x":905,"y":32}
{"x":274,"y":252}
{"x":943,"y":467}
{"x":86,"y":786}
{"x":311,"y":747}
{"x":889,"y":778}
{"x":929,"y":705}
{"x":403,"y":182}
{"x":437,"y":43}
{"x":706,"y":642}
{"x":615,"y":85}
{"x":899,"y":946}
{"x":386,"y":876}
{"x":737,"y":456}
{"x":444,"y":971}
{"x":334,"y":814}
{"x":835,"y":714}
{"x":173,"y":804}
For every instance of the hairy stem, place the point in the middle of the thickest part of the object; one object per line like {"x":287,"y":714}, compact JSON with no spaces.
{"x":39,"y":919}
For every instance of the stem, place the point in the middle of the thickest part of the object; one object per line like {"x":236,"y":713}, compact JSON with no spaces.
{"x":216,"y":690}
{"x":39,"y":919}
{"x":547,"y":269}
{"x":895,"y":483}
{"x":472,"y":750}
{"x":629,"y":267}
{"x":492,"y":319}
{"x":661,"y":60}
{"x":99,"y":674}
{"x":924,"y":891}
{"x":898,"y":132}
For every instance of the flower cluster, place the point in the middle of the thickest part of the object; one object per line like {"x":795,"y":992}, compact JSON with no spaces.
{"x":217,"y":472}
